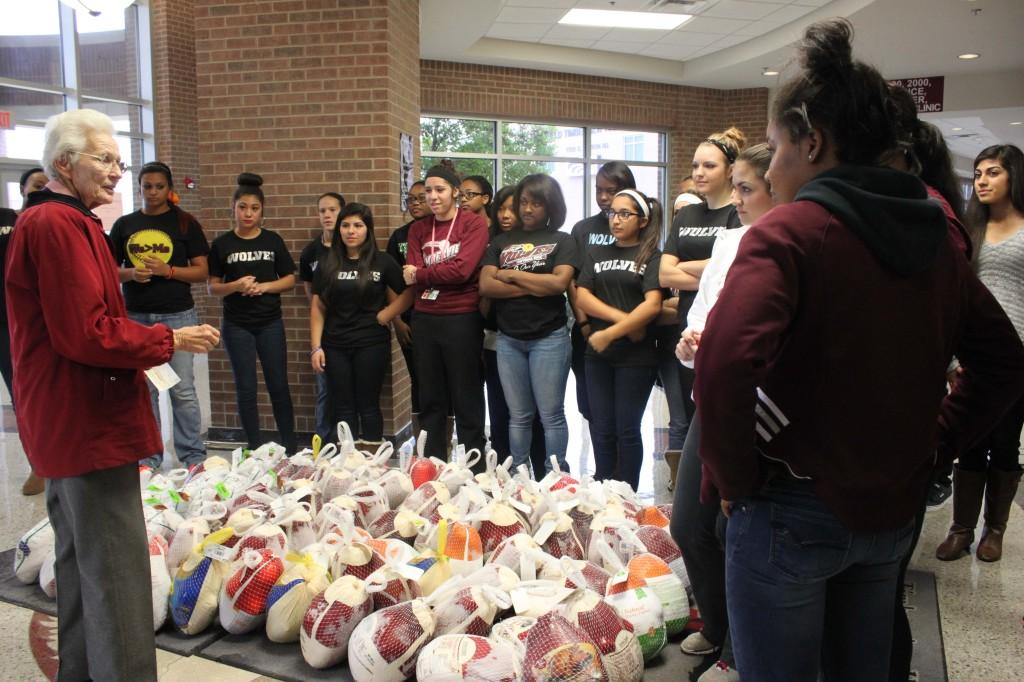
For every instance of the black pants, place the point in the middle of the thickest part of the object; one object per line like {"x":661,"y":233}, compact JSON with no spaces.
{"x":6,"y":368}
{"x":1001,"y":447}
{"x":410,"y":365}
{"x":579,"y":371}
{"x":902,"y":637}
{"x":497,"y":408}
{"x":268,"y":343}
{"x":355,"y":377}
{"x":694,"y":528}
{"x":448,"y":349}
{"x":669,"y":368}
{"x":618,"y":398}
{"x":686,"y":377}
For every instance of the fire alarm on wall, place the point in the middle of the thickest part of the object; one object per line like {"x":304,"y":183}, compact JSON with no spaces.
{"x":190,"y":183}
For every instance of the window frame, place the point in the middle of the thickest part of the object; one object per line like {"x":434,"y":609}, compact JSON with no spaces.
{"x":586,"y":160}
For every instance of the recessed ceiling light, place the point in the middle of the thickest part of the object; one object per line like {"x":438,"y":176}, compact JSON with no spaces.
{"x":769,"y":72}
{"x":956,"y":130}
{"x":967,"y":56}
{"x":618,"y":19}
{"x":1017,"y":123}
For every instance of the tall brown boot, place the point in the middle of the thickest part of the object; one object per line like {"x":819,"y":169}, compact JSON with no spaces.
{"x":968,"y":490}
{"x":672,"y":458}
{"x":1002,"y":487}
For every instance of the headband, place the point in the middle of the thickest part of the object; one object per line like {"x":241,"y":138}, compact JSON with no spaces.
{"x":443,"y":173}
{"x":730,"y":155}
{"x":639,"y":198}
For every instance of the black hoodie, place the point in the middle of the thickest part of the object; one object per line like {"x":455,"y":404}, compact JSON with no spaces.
{"x":831,"y":340}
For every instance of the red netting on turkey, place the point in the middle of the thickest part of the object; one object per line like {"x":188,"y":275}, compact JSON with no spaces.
{"x":468,"y":658}
{"x":558,"y":651}
{"x":385,"y":646}
{"x":331,"y":619}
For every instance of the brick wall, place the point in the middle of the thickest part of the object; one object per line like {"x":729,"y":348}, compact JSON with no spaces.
{"x":687,"y":114}
{"x":312,"y":95}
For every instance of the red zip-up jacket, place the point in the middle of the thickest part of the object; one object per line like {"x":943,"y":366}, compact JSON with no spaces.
{"x":82,"y":401}
{"x":837,"y":334}
{"x":451,"y":269}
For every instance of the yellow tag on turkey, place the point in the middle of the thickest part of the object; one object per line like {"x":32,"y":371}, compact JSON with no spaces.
{"x":149,"y":244}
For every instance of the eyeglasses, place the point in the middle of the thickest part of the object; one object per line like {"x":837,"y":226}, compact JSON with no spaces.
{"x":108,"y":161}
{"x":471,"y":195}
{"x":416,"y":198}
{"x":623,"y":215}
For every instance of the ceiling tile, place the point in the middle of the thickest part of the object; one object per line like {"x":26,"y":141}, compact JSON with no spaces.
{"x":632,"y":35}
{"x":741,"y":9}
{"x":562,"y":32}
{"x":812,"y":3}
{"x":676,"y":52}
{"x":616,"y":46}
{"x":566,"y":42}
{"x":780,"y":17}
{"x":683,"y":38}
{"x":713,"y":25}
{"x":524,"y":32}
{"x":530,"y":15}
{"x":563,"y":4}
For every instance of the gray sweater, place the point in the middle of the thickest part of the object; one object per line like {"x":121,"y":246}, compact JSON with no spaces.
{"x":1001,"y":269}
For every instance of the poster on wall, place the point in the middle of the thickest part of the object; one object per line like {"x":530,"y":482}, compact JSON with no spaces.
{"x":405,"y":164}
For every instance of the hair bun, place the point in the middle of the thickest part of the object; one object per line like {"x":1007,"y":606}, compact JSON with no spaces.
{"x":826,"y":51}
{"x":249,"y":180}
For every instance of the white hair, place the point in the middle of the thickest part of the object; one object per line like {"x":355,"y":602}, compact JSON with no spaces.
{"x":69,"y":132}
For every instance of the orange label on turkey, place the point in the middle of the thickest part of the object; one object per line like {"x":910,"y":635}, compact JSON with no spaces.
{"x":149,"y":244}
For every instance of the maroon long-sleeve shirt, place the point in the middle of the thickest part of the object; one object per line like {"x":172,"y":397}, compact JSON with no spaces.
{"x":447,"y":259}
{"x":836,"y":333}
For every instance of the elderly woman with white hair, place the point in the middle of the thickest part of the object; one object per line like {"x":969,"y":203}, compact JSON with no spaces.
{"x":84,"y":414}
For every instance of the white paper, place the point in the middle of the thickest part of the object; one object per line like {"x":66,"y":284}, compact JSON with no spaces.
{"x":163,"y":377}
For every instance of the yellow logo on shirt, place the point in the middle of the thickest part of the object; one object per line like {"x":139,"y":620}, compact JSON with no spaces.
{"x":149,"y":244}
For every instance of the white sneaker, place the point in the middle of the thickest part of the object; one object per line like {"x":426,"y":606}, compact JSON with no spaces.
{"x":697,"y":645}
{"x":719,"y":672}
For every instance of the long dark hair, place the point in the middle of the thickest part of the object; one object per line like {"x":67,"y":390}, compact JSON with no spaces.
{"x":546,"y":190}
{"x":924,"y":151}
{"x":367,"y":250}
{"x":619,"y":174}
{"x":1011,"y":158}
{"x":499,"y":198}
{"x":650,"y":234}
{"x":185,"y":219}
{"x":249,"y":184}
{"x":846,"y":98}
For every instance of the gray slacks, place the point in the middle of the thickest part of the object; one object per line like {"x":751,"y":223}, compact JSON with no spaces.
{"x":104,"y":606}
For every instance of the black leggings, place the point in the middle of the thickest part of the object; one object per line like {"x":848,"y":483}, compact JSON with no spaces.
{"x":448,"y":350}
{"x":694,"y":527}
{"x":354,"y":379}
{"x":1001,"y":447}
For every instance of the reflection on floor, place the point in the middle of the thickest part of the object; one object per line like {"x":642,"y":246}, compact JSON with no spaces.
{"x":981,"y":604}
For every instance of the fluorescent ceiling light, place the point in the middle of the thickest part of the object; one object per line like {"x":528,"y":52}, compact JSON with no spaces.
{"x":618,"y":19}
{"x":967,"y":56}
{"x":1016,"y":123}
{"x":769,"y":72}
{"x":956,"y":130}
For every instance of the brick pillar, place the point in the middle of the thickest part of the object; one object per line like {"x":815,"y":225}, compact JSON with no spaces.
{"x":312,"y":95}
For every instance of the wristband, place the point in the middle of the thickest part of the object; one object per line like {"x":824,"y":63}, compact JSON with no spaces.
{"x":315,"y":351}
{"x":170,"y":275}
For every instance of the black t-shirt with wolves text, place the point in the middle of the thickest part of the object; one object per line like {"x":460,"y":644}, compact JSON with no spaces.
{"x":692,"y":236}
{"x":266,"y":258}
{"x":351,"y":317}
{"x":610,"y":273}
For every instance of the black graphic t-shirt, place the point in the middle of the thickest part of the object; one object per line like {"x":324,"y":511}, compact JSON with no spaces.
{"x":351,"y":318}
{"x":7,"y":219}
{"x":592,"y":231}
{"x":266,"y":258}
{"x":309,"y":260}
{"x":539,"y":252}
{"x":692,"y":236}
{"x":610,"y":273}
{"x":160,"y":294}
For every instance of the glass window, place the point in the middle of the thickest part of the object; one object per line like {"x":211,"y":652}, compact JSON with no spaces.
{"x":456,"y":135}
{"x":30,"y":44}
{"x":108,"y":52}
{"x":534,"y":139}
{"x":569,"y":176}
{"x":627,"y":145}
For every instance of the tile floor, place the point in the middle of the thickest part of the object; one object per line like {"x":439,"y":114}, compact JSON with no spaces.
{"x":981,"y":604}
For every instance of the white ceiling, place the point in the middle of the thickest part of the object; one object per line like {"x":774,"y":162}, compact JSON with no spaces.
{"x":729,"y":42}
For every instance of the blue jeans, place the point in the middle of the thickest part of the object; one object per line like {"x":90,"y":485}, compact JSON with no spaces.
{"x":618,"y":397}
{"x":533,"y":376}
{"x":268,"y":343}
{"x":323,"y":413}
{"x":188,"y":420}
{"x":806,"y":594}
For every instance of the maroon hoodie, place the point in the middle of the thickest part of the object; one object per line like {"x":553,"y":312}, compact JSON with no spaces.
{"x":835,"y":327}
